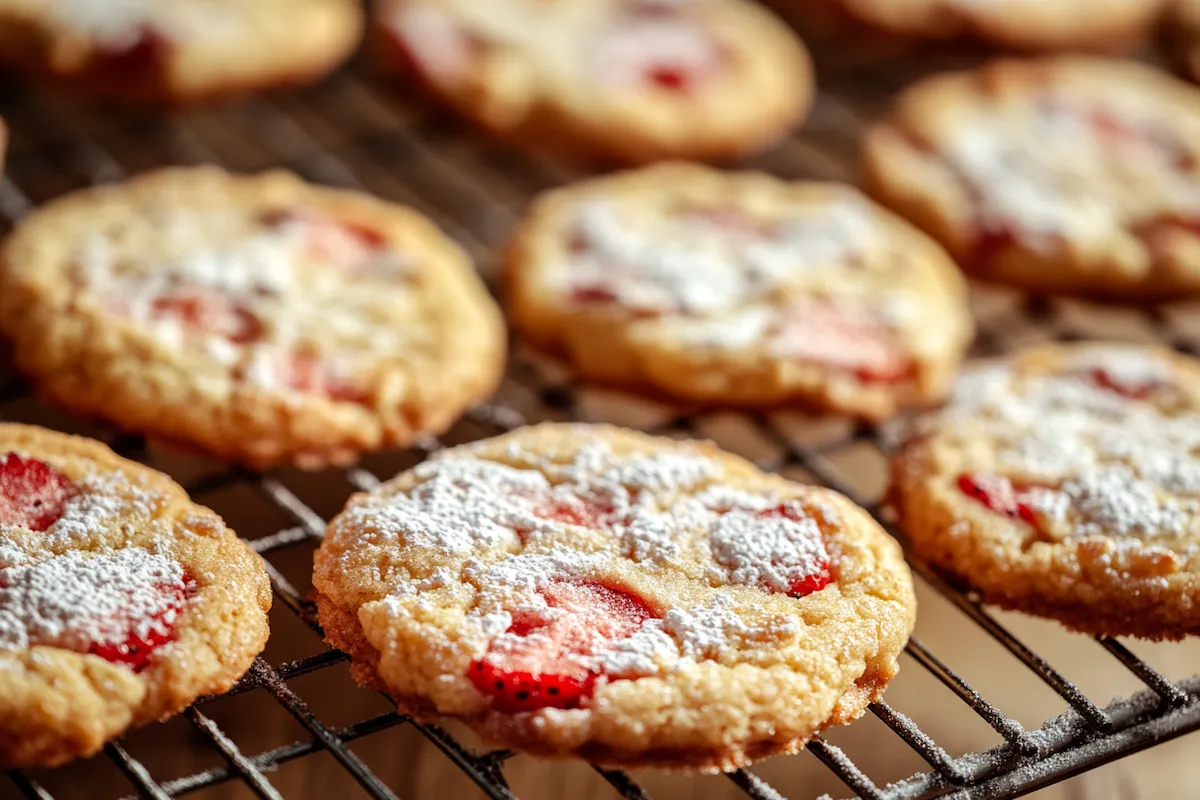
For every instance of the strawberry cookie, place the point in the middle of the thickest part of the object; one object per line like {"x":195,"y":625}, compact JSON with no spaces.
{"x":1061,"y":175}
{"x":163,"y":50}
{"x":739,"y":289}
{"x":258,"y":318}
{"x":632,"y":80}
{"x":573,"y":590}
{"x":1065,"y":482}
{"x":1021,"y":24}
{"x":121,"y":601}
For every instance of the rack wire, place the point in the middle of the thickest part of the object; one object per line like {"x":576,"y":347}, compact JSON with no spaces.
{"x":356,"y":131}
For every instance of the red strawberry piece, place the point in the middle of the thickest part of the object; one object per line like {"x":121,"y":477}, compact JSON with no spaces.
{"x":845,"y":340}
{"x":33,"y":494}
{"x":144,"y":637}
{"x":592,"y":293}
{"x":350,"y":246}
{"x":143,"y":55}
{"x":992,"y":238}
{"x":433,"y":44}
{"x":305,"y":371}
{"x":542,"y":660}
{"x":208,"y":312}
{"x":814,"y":581}
{"x":585,"y":512}
{"x":1133,"y":389}
{"x":1001,"y":495}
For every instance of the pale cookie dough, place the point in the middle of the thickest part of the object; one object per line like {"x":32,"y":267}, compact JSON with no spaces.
{"x":121,"y":601}
{"x":1065,"y":482}
{"x":1069,"y":175}
{"x":1097,"y":25}
{"x":573,"y":590}
{"x":739,"y":289}
{"x":632,"y":80}
{"x":163,"y":50}
{"x":258,"y":318}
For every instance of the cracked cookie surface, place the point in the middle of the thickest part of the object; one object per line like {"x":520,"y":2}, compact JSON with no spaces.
{"x":589,"y":591}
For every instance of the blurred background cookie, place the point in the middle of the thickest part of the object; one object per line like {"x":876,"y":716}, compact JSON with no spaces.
{"x":739,"y":289}
{"x":258,"y":318}
{"x":164,"y":50}
{"x":1072,"y":175}
{"x":631,"y":80}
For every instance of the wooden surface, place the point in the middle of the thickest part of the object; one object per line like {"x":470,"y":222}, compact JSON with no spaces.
{"x":353,"y":132}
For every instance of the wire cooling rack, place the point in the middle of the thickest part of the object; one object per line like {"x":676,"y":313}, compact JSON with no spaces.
{"x":357,"y":131}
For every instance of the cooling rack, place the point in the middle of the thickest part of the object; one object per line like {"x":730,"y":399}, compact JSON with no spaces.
{"x":357,"y":131}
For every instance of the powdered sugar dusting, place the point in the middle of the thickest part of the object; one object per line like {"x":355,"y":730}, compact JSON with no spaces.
{"x":659,"y":510}
{"x":696,"y":266}
{"x":771,"y":551}
{"x":77,"y":600}
{"x":1061,"y":165}
{"x":245,"y":293}
{"x":1115,"y":463}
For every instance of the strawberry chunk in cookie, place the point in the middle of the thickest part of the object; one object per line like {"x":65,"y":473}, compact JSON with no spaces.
{"x":548,"y":656}
{"x":659,"y":45}
{"x":33,"y":494}
{"x":121,"y":606}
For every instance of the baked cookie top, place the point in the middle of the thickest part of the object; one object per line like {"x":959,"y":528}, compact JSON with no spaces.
{"x":593,"y":591}
{"x":739,"y":288}
{"x":180,"y":49}
{"x":120,"y":600}
{"x":1068,"y":174}
{"x":636,"y":79}
{"x":1065,"y":481}
{"x":1023,"y":24}
{"x":259,"y":317}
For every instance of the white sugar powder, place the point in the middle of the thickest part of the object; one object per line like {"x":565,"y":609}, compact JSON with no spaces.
{"x":772,"y":552}
{"x":75,"y":600}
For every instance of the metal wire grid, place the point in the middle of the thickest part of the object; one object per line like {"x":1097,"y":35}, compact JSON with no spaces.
{"x":353,"y":132}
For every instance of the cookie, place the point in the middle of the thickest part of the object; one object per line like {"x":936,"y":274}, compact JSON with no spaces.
{"x":631,"y":80}
{"x":739,"y":289}
{"x":1069,"y":175}
{"x":1064,"y":482}
{"x":166,"y":50}
{"x":573,"y":590}
{"x":258,"y":318}
{"x":121,"y":601}
{"x":1019,"y":24}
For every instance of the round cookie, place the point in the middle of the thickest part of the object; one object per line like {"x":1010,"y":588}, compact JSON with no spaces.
{"x":739,"y":289}
{"x":1021,"y":24}
{"x":1064,"y":482}
{"x":1071,"y":175}
{"x":121,"y":601}
{"x":259,"y":318}
{"x":162,"y":50}
{"x":574,"y":590}
{"x":632,"y":80}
